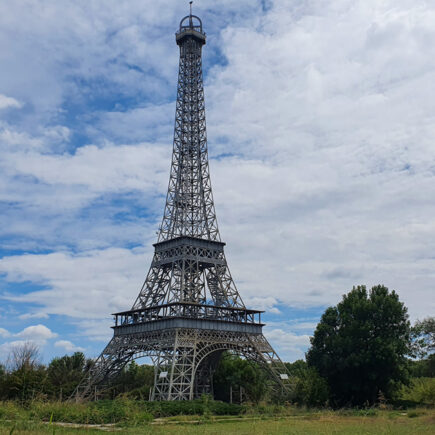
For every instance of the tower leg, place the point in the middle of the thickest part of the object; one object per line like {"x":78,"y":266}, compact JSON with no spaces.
{"x":175,"y":368}
{"x":262,"y":353}
{"x":105,"y":368}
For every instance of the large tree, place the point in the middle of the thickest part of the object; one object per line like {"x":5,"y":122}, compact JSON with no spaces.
{"x":360,"y":346}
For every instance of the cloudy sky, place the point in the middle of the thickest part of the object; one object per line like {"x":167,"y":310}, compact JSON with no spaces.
{"x":321,"y":127}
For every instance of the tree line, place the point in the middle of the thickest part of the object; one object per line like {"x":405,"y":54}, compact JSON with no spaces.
{"x":363,"y":351}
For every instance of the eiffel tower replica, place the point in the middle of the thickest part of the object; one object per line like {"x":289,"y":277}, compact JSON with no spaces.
{"x":188,"y":311}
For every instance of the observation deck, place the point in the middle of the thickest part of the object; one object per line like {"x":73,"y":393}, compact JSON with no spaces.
{"x":190,"y":27}
{"x":188,"y":315}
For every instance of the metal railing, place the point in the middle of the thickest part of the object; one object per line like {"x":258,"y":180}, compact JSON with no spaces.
{"x":187,"y":310}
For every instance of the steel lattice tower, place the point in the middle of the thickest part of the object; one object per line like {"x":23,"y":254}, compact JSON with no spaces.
{"x":188,"y":311}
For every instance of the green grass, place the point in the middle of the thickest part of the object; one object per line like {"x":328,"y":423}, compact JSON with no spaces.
{"x":102,"y":412}
{"x":113,"y":411}
{"x":327,"y":423}
{"x":131,"y":417}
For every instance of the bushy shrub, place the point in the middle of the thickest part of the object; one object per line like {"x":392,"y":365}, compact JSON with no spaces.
{"x":421,"y":391}
{"x":10,"y":411}
{"x":59,"y":411}
{"x":356,"y":412}
{"x":172,"y":408}
{"x":223,"y":408}
{"x":193,"y":407}
{"x":310,"y":389}
{"x":104,"y":411}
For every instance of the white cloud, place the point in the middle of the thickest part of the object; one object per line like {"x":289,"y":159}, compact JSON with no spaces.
{"x":18,"y":143}
{"x":96,"y":329}
{"x":262,"y":303}
{"x":87,"y":286}
{"x":36,"y":333}
{"x":328,"y":117}
{"x":6,"y":348}
{"x":305,"y":326}
{"x":77,"y":182}
{"x":27,"y":316}
{"x":289,"y":346}
{"x":100,"y":170}
{"x":68,"y":346}
{"x":7,"y":102}
{"x":90,"y":177}
{"x":4,"y":333}
{"x":152,"y":122}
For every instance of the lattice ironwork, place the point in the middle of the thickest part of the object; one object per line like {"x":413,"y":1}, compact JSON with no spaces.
{"x":188,"y":310}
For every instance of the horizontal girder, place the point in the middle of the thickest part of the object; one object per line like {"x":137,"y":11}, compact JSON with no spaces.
{"x":205,"y":252}
{"x":176,"y":322}
{"x":188,"y":310}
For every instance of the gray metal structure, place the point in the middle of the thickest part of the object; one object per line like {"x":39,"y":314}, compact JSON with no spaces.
{"x":188,"y":311}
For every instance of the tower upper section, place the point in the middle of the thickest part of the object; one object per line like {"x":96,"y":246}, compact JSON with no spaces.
{"x":189,"y":209}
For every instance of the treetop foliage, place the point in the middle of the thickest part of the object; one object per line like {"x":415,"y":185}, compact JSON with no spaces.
{"x":360,"y":346}
{"x":24,"y":357}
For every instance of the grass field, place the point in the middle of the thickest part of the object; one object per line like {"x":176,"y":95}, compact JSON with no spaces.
{"x":415,"y":422}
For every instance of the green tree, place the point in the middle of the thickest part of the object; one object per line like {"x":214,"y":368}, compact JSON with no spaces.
{"x":423,"y":335}
{"x":422,"y":368}
{"x":26,"y":378}
{"x":3,"y":376}
{"x":310,"y":388}
{"x":236,"y":374}
{"x":65,"y":373}
{"x":423,"y":347}
{"x":360,"y":346}
{"x":135,"y":381}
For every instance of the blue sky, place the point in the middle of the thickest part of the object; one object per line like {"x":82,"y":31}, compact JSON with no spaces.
{"x":321,"y":129}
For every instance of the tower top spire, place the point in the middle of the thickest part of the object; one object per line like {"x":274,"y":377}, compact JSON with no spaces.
{"x":190,"y":26}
